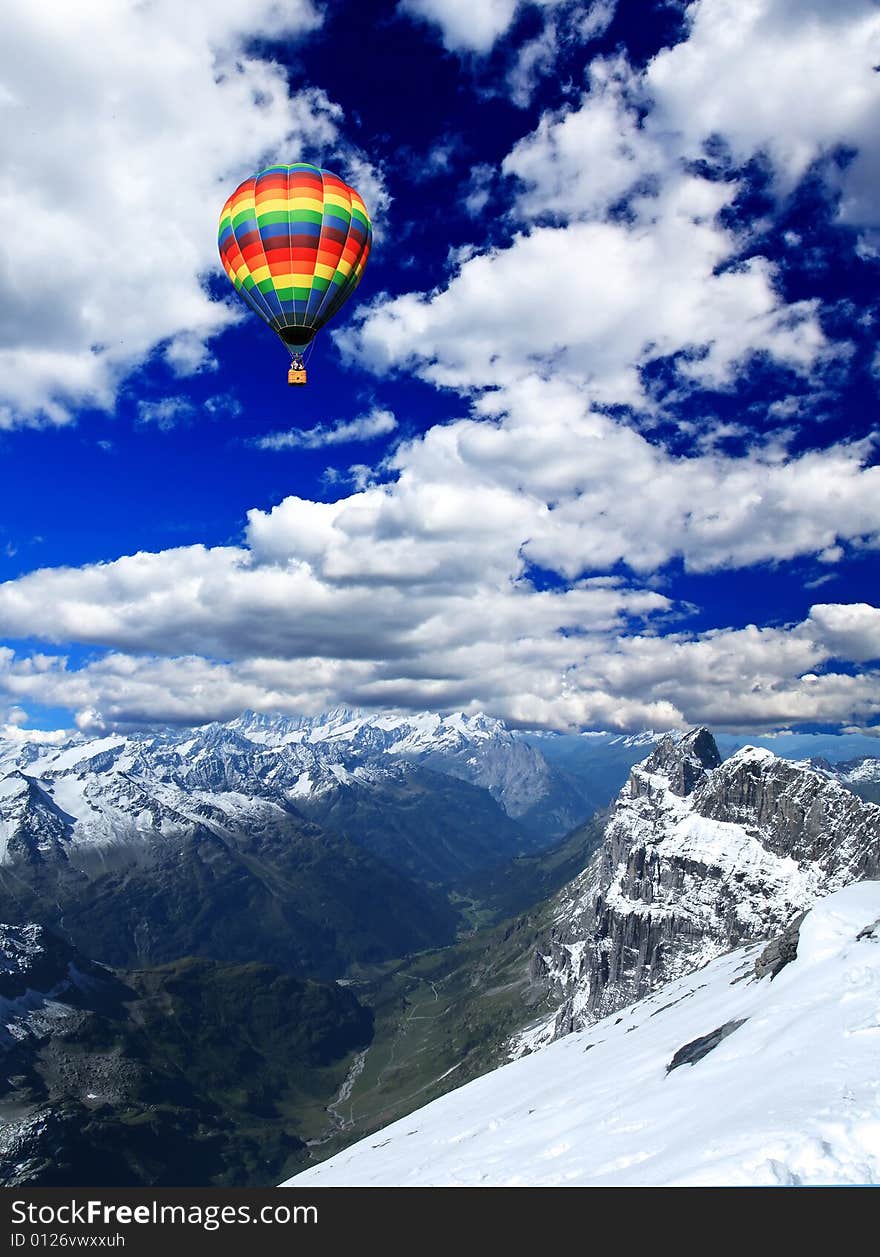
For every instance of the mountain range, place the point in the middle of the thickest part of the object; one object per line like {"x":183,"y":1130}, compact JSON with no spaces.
{"x":482,"y":893}
{"x":314,"y":842}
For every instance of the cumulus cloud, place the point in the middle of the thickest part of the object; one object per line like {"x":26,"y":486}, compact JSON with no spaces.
{"x":465,"y":26}
{"x":234,"y":603}
{"x":576,"y":493}
{"x":478,"y":573}
{"x":419,"y":592}
{"x":601,"y":295}
{"x":122,"y":174}
{"x":580,"y":161}
{"x":564,"y":23}
{"x":794,"y":79}
{"x":13,"y":720}
{"x":597,"y":301}
{"x":851,"y":632}
{"x":367,"y":427}
{"x":734,"y":679}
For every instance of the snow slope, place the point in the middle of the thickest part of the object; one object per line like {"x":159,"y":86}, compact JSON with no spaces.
{"x":790,"y":1096}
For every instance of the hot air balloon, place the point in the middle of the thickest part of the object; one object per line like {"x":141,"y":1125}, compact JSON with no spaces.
{"x":294,"y":240}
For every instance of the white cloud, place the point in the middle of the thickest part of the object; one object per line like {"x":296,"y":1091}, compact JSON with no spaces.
{"x":732,"y":678}
{"x":794,"y":79}
{"x":596,"y":301}
{"x":417,"y":592}
{"x":187,"y":354}
{"x":852,"y":632}
{"x":580,"y":161}
{"x":475,"y":26}
{"x":534,"y":61}
{"x":167,"y":413}
{"x":600,"y":298}
{"x":564,"y":23}
{"x":124,"y":128}
{"x":367,"y":427}
{"x":477,"y":198}
{"x":14,"y":733}
{"x":464,"y":25}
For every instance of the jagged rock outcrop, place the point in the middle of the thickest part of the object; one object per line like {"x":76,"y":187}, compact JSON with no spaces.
{"x":698,"y":857}
{"x":780,"y":951}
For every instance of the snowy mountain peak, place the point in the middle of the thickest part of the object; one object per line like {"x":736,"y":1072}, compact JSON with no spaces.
{"x":646,"y":738}
{"x":684,"y":761}
{"x":698,"y":856}
{"x":349,"y":724}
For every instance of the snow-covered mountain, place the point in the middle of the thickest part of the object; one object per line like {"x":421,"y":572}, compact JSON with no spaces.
{"x":117,"y":789}
{"x":345,"y":809}
{"x":436,"y":797}
{"x":478,"y":749}
{"x":698,"y":857}
{"x":142,"y":848}
{"x":720,"y":1078}
{"x":134,"y":841}
{"x":861,"y":775}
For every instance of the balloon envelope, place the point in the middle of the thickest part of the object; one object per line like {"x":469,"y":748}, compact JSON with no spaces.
{"x":295,"y":240}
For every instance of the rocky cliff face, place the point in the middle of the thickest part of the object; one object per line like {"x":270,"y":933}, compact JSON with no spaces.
{"x":698,"y":857}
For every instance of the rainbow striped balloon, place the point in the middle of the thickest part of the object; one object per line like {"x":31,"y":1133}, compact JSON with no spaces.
{"x":295,"y":240}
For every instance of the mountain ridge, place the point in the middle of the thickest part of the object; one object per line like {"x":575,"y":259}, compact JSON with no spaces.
{"x":699,"y":856}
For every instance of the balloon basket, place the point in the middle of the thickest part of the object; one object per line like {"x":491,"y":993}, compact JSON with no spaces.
{"x":297,"y":375}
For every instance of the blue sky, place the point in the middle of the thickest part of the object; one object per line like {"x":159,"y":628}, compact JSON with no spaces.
{"x":591,"y":447}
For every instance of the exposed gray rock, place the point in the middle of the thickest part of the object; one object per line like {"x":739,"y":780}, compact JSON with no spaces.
{"x":686,"y":762}
{"x":706,"y":1043}
{"x":781,"y":950}
{"x":698,"y":857}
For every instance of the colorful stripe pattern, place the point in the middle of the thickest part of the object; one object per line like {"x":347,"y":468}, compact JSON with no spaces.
{"x":295,"y":240}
